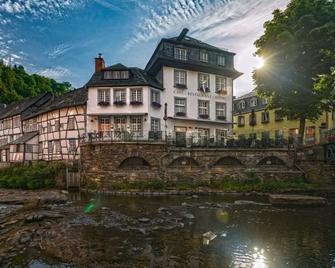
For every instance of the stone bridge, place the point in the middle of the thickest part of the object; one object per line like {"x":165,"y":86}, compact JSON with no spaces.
{"x":109,"y":162}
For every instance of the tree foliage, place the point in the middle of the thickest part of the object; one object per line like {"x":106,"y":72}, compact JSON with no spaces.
{"x":297,"y":46}
{"x":16,"y":83}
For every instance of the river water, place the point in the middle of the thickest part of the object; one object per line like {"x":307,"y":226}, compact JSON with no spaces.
{"x":215,"y":231}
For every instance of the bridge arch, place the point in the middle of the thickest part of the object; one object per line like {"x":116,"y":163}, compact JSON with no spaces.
{"x":228,"y":161}
{"x":134,"y":162}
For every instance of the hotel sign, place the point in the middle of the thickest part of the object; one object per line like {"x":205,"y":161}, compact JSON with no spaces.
{"x":199,"y":94}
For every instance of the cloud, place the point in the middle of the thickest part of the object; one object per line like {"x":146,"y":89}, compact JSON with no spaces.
{"x":56,"y":73}
{"x":59,"y":50}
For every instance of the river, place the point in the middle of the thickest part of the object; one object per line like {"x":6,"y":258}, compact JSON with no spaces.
{"x":198,"y":231}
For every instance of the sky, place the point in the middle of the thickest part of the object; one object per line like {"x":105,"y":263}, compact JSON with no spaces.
{"x":60,"y":38}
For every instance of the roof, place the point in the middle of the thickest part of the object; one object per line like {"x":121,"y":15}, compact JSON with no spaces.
{"x":25,"y":137}
{"x":190,"y":41}
{"x":247,"y":95}
{"x":18,"y":107}
{"x":137,"y":77}
{"x":4,"y":146}
{"x":73,"y":98}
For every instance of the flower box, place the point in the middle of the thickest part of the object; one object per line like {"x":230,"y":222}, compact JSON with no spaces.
{"x":221,"y":117}
{"x":156,"y":104}
{"x":181,"y":86}
{"x":136,"y":102}
{"x":119,"y":103}
{"x":204,"y":89}
{"x":104,"y":103}
{"x":203,"y":116}
{"x":222,"y":92}
{"x":180,"y":114}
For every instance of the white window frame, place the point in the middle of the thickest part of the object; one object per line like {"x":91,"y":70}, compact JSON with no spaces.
{"x":253,"y":102}
{"x":104,"y":124}
{"x":204,"y":81}
{"x":155,"y":96}
{"x":155,"y":124}
{"x":241,"y":104}
{"x":180,"y":53}
{"x":136,"y":125}
{"x":103,"y":95}
{"x":220,"y":84}
{"x":120,"y":95}
{"x":265,"y":117}
{"x":220,"y":111}
{"x":120,"y":123}
{"x":203,"y":107}
{"x":241,"y":120}
{"x":180,"y":77}
{"x":136,"y":95}
{"x":221,"y":60}
{"x":180,"y":105}
{"x":203,"y":56}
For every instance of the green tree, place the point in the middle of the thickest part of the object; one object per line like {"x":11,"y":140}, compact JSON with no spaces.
{"x":295,"y":46}
{"x":16,"y":83}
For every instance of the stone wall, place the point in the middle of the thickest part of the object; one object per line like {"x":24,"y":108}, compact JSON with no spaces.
{"x":103,"y":163}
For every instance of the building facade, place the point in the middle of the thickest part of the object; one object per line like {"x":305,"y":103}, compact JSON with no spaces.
{"x":198,"y":82}
{"x":253,"y":120}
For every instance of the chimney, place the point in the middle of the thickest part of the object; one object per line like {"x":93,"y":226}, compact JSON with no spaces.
{"x":182,"y":34}
{"x":99,"y":63}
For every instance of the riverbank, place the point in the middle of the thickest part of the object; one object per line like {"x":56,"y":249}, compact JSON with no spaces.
{"x":129,"y":231}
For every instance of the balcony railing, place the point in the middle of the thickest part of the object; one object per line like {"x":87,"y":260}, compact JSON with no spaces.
{"x":181,"y":140}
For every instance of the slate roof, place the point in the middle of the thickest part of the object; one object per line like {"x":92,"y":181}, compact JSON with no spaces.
{"x":137,"y":77}
{"x":18,"y":107}
{"x":25,"y":137}
{"x":190,"y":41}
{"x":73,"y":98}
{"x":247,"y":95}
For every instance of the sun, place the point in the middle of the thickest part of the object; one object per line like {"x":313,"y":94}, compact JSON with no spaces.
{"x":260,"y":62}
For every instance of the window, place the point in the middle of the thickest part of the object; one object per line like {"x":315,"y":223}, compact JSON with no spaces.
{"x":120,"y":96}
{"x":155,"y":98}
{"x":16,"y":122}
{"x":29,"y":148}
{"x":253,"y":102}
{"x":155,"y":124}
{"x":116,"y":75}
{"x":279,"y":134}
{"x":72,"y":146}
{"x":203,"y":133}
{"x":58,"y":148}
{"x":220,"y":111}
{"x":203,"y":82}
{"x":136,"y":125}
{"x":203,"y":109}
{"x":221,"y":84}
{"x":71,"y":123}
{"x":265,"y":135}
{"x":278,"y":116}
{"x":180,"y":106}
{"x":49,"y":127}
{"x":180,"y":53}
{"x":203,"y":56}
{"x":241,"y":121}
{"x":265,"y":117}
{"x":220,"y":134}
{"x":57,"y":125}
{"x":104,"y":124}
{"x":265,"y":101}
{"x":50,"y":147}
{"x":120,"y":123}
{"x":136,"y":96}
{"x":103,"y":96}
{"x":221,"y":60}
{"x":180,"y":78}
{"x":242,"y":105}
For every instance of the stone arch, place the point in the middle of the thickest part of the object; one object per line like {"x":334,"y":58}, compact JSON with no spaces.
{"x":184,"y":161}
{"x":271,"y":161}
{"x":228,"y":161}
{"x":134,"y":162}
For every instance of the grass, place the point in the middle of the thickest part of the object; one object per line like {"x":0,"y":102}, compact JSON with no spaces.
{"x":227,"y":184}
{"x":38,"y":176}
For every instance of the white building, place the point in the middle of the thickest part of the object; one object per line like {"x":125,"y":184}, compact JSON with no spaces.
{"x":198,"y":83}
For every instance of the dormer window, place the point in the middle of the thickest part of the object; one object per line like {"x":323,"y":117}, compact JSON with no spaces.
{"x":203,"y":56}
{"x":221,"y":60}
{"x":242,"y":105}
{"x":253,"y":102}
{"x":116,"y":74}
{"x":180,"y":53}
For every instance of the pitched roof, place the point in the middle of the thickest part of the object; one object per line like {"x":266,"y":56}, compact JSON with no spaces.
{"x":247,"y":95}
{"x":137,"y":77}
{"x":73,"y":98}
{"x":25,"y":137}
{"x":18,"y":107}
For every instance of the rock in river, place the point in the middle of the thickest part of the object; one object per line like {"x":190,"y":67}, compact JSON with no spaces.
{"x":297,"y":200}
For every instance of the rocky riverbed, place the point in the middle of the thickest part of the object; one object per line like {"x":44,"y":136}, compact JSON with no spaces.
{"x":46,"y":228}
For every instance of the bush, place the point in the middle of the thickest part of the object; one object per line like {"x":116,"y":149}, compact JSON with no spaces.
{"x":39,"y":175}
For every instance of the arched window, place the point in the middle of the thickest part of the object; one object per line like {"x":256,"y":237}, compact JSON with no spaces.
{"x":134,"y":163}
{"x":228,"y":161}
